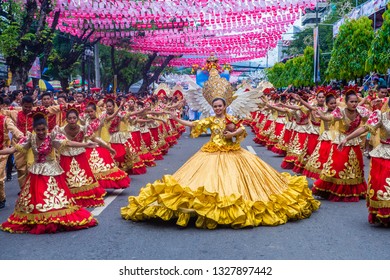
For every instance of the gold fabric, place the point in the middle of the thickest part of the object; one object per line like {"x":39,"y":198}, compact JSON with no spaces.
{"x":216,"y":86}
{"x":232,"y":187}
{"x":3,"y":164}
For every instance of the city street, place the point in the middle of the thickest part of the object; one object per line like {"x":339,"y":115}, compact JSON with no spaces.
{"x":336,"y":231}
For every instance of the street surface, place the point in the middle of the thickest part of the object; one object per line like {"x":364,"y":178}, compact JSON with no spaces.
{"x":336,"y":231}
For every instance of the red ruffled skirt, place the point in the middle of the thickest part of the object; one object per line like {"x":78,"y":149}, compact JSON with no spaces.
{"x":309,"y":146}
{"x":45,"y":205}
{"x":164,"y":146}
{"x":296,"y":147}
{"x":263,"y":135}
{"x":105,"y":170}
{"x":174,"y":130}
{"x":160,"y":142}
{"x":317,"y":160}
{"x":81,"y":181}
{"x":151,"y":145}
{"x":342,"y":177}
{"x":125,"y":157}
{"x":281,"y":147}
{"x":274,"y":136}
{"x":135,"y":142}
{"x":378,"y":202}
{"x":170,"y":138}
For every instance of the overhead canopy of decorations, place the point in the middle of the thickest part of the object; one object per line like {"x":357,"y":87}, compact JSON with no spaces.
{"x":235,"y":30}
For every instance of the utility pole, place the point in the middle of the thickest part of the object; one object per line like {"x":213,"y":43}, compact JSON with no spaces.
{"x":316,"y":48}
{"x":97,"y":66}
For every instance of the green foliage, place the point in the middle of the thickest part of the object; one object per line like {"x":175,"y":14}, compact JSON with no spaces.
{"x":128,"y":66}
{"x":24,"y":35}
{"x":378,"y":59}
{"x":297,"y":71}
{"x":350,"y":50}
{"x":9,"y":39}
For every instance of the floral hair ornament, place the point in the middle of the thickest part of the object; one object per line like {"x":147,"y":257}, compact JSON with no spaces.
{"x":90,"y":101}
{"x":321,"y":89}
{"x":350,"y":89}
{"x":39,"y":112}
{"x":73,"y":107}
{"x":109,"y":97}
{"x":331,"y":92}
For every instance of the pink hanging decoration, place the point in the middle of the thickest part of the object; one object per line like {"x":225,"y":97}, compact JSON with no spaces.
{"x":235,"y":30}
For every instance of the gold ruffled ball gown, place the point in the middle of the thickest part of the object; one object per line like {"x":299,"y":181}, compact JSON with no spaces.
{"x":223,"y":184}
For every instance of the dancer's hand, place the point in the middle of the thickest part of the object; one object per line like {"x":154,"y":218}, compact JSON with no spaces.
{"x":228,"y":134}
{"x":91,"y":145}
{"x":172,"y":115}
{"x":112,"y":152}
{"x":342,"y":144}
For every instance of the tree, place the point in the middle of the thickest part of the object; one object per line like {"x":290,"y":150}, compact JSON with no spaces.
{"x":350,"y":50}
{"x":25,"y":35}
{"x":378,"y":59}
{"x":126,"y":65}
{"x":297,"y":71}
{"x":275,"y":74}
{"x":150,"y":77}
{"x":64,"y":57}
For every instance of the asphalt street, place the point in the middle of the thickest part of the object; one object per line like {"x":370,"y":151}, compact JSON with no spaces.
{"x":337,"y":231}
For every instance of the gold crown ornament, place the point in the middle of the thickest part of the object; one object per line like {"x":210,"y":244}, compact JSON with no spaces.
{"x":217,"y":87}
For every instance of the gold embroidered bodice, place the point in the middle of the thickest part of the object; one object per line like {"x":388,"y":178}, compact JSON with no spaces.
{"x":44,"y":157}
{"x":217,"y":140}
{"x":380,"y":120}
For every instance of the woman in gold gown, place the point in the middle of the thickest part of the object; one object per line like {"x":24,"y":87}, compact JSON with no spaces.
{"x":223,"y":184}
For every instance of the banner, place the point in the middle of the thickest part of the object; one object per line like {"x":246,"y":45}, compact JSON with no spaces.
{"x":316,"y":56}
{"x":366,"y":9}
{"x":3,"y":68}
{"x":35,"y":71}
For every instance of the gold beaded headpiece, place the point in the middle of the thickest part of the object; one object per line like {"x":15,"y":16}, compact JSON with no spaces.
{"x":217,"y":87}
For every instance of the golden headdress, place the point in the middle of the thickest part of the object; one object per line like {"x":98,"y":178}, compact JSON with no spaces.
{"x":217,"y":87}
{"x":162,"y":91}
{"x":177,"y":91}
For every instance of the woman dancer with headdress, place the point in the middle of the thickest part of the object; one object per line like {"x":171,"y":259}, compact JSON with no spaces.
{"x":315,"y":122}
{"x":81,"y":181}
{"x":100,"y":158}
{"x":378,"y":192}
{"x":319,"y":156}
{"x":115,"y":131}
{"x":342,"y":176}
{"x":45,"y":204}
{"x":211,"y":186}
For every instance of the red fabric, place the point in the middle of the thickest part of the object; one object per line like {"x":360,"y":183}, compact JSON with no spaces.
{"x":379,"y":173}
{"x":339,"y":193}
{"x":78,"y":218}
{"x":148,"y":159}
{"x":121,"y":158}
{"x":87,"y":198}
{"x":24,"y":123}
{"x":278,"y":131}
{"x":136,"y":140}
{"x":2,"y":118}
{"x":322,"y":159}
{"x":113,"y":179}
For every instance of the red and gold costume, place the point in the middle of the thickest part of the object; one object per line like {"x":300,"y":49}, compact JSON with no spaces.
{"x":45,"y":204}
{"x":102,"y":164}
{"x":378,"y":194}
{"x":342,"y":177}
{"x":6,"y":125}
{"x":79,"y":177}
